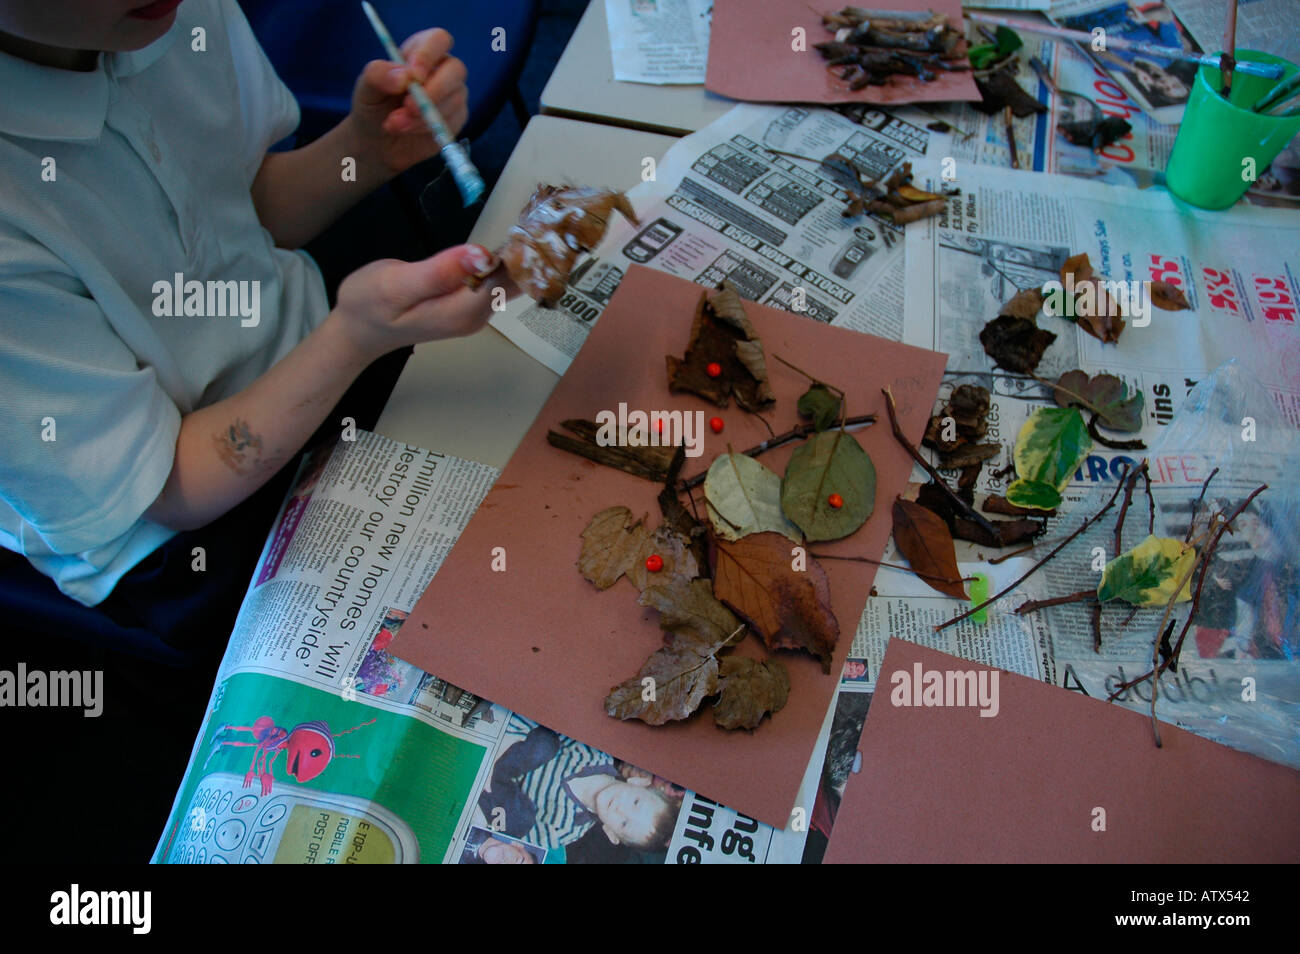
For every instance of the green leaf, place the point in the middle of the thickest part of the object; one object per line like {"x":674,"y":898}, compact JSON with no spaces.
{"x":986,"y":54}
{"x":820,"y":404}
{"x":830,"y":462}
{"x":1030,"y":493}
{"x":1104,"y":393}
{"x":1051,"y":445}
{"x":1147,"y":574}
{"x":744,"y":497}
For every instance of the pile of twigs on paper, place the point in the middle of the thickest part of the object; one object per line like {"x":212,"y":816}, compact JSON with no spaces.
{"x":872,"y":45}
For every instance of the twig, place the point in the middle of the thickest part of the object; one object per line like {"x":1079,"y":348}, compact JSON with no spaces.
{"x":892,"y":566}
{"x":1130,"y":484}
{"x":1096,"y":626}
{"x":1206,"y":554}
{"x":1030,"y":606}
{"x":994,"y":561}
{"x":1011,"y":137}
{"x":1151,"y":501}
{"x":1039,"y":565}
{"x":1196,"y":507}
{"x":966,"y":509}
{"x":794,"y":434}
{"x":814,"y":380}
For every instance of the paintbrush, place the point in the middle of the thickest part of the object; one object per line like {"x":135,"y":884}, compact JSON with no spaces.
{"x":1267,"y":70}
{"x":467,"y":178}
{"x":1227,"y":62}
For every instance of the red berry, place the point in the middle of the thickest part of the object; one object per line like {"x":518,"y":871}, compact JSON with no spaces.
{"x":715,"y":425}
{"x":654,"y":563}
{"x":659,"y":425}
{"x":714,"y":370}
{"x":835,"y":500}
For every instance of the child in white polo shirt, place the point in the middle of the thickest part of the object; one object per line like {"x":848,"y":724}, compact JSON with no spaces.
{"x":163,"y":352}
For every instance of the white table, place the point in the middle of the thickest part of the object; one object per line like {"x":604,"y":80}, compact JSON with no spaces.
{"x":583,"y":87}
{"x":476,"y":397}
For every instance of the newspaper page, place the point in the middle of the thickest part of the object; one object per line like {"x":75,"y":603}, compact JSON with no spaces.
{"x":659,"y":41}
{"x":1010,"y":231}
{"x":1159,"y":84}
{"x":731,"y":203}
{"x":320,"y":747}
{"x":1087,"y":92}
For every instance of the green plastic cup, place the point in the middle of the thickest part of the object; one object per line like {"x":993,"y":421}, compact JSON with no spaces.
{"x":1208,"y":166}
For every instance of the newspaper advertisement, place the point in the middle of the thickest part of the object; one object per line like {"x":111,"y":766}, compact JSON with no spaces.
{"x":1161,"y":85}
{"x":734,"y":202}
{"x":659,"y":41}
{"x":1010,"y":231}
{"x":320,"y":747}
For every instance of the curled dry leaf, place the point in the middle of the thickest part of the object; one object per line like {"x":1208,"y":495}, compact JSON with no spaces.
{"x":744,"y":497}
{"x":722,"y":334}
{"x":749,"y":690}
{"x":614,"y":545}
{"x":923,"y":538}
{"x":788,"y":608}
{"x":1016,"y":344}
{"x":1026,"y":303}
{"x":555,"y":226}
{"x":1168,"y":297}
{"x":829,"y":462}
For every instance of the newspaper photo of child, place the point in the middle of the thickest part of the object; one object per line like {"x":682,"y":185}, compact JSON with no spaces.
{"x":553,"y":792}
{"x":484,"y":847}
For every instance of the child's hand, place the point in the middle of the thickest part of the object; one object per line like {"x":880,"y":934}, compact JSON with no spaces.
{"x":390,"y":304}
{"x":386,"y":117}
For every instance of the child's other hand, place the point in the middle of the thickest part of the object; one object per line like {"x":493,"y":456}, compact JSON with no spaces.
{"x":390,"y":304}
{"x":385,"y":115}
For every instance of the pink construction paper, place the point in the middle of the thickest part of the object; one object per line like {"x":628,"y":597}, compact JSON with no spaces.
{"x":752,"y":57}
{"x":542,"y":641}
{"x":947,"y":785}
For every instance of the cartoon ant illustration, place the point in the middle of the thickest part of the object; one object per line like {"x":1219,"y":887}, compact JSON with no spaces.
{"x":309,"y":748}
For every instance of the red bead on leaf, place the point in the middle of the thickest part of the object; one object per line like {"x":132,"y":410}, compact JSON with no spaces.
{"x":713,"y":370}
{"x":654,"y":563}
{"x":835,"y":500}
{"x":715,"y":425}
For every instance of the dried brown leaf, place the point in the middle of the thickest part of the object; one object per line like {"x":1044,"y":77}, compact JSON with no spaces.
{"x":789,"y":608}
{"x":923,"y":538}
{"x":555,"y":226}
{"x":1016,"y":344}
{"x":749,"y":690}
{"x":1168,"y":297}
{"x":692,"y":616}
{"x":1026,"y":303}
{"x":614,"y":545}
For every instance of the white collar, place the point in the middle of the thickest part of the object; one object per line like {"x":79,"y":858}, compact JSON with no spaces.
{"x":43,"y":102}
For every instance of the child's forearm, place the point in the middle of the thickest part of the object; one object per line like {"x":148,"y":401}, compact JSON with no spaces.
{"x":227,"y":450}
{"x":299,"y":194}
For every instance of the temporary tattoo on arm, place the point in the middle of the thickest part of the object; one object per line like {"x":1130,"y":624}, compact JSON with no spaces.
{"x":239,"y":448}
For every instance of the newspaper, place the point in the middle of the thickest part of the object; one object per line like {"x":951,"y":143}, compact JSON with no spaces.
{"x":1160,"y":85}
{"x":1010,"y":231}
{"x":319,"y":747}
{"x":1087,"y":92}
{"x":730,"y":203}
{"x":659,"y":41}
